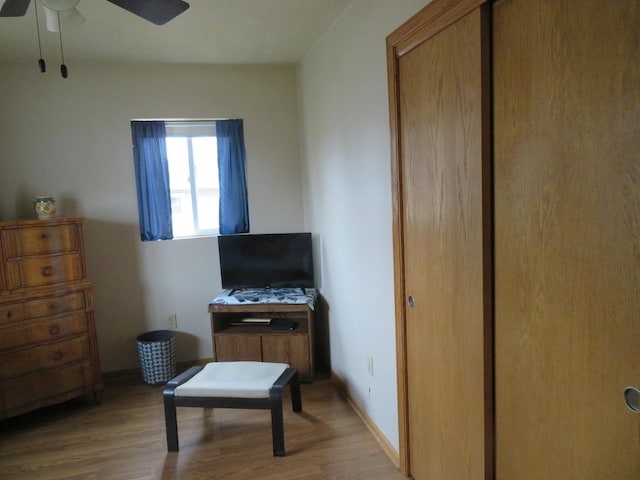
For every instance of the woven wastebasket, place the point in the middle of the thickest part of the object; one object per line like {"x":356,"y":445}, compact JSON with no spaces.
{"x":157,"y":351}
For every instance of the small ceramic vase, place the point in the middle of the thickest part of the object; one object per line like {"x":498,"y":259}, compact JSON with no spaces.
{"x":45,"y":206}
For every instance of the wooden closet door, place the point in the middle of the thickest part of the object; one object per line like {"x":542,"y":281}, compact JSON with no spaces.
{"x":567,"y":231}
{"x":442,"y":122}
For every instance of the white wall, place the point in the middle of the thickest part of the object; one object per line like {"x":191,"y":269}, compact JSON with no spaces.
{"x":72,"y":138}
{"x":347,"y":188}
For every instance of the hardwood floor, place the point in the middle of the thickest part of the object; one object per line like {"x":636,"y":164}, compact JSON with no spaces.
{"x":124,"y":438}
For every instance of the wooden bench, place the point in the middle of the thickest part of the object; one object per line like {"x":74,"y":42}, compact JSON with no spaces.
{"x":254,"y":385}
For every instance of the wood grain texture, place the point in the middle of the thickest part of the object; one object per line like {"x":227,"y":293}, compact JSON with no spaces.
{"x":567,"y":216}
{"x":290,"y":349}
{"x":441,"y":145}
{"x":124,"y":438}
{"x":295,"y":346}
{"x":12,"y":310}
{"x":23,"y":394}
{"x":45,"y":356}
{"x":237,"y":347}
{"x":433,"y":18}
{"x":28,"y":272}
{"x":398,"y":248}
{"x":51,"y":305}
{"x":48,"y":345}
{"x":40,"y":239}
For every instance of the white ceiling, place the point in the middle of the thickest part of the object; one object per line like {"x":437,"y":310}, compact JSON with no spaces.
{"x":210,"y":31}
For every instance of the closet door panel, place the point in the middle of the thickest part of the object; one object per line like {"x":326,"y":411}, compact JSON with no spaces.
{"x":567,"y":238}
{"x":441,"y":124}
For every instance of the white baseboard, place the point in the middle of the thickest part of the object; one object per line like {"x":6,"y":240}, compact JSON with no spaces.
{"x":386,"y":446}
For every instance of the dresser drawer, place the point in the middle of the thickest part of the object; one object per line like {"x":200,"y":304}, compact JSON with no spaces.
{"x":45,"y":270}
{"x":51,"y":355}
{"x":13,"y":336}
{"x":39,"y":240}
{"x":37,"y":388}
{"x":59,"y":327}
{"x":54,"y":305}
{"x":11,"y":312}
{"x":46,"y":330}
{"x":48,"y":347}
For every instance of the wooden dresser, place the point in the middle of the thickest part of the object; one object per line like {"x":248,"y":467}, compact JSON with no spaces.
{"x":48,"y":349}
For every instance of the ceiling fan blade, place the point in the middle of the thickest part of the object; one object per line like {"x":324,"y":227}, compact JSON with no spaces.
{"x":14,"y":8}
{"x":156,"y":11}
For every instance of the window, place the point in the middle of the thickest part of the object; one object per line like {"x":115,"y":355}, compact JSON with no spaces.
{"x":192,"y":154}
{"x":190,"y":178}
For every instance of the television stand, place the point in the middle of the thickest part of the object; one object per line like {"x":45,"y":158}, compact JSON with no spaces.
{"x":275,"y":325}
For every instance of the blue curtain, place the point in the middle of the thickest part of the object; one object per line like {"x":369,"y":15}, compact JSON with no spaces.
{"x":152,"y":179}
{"x":234,"y":205}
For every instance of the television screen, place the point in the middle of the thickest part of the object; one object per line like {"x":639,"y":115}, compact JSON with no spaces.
{"x":270,"y":260}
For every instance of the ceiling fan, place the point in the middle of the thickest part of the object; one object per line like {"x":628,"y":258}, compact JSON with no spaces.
{"x":63,"y":15}
{"x":155,"y":11}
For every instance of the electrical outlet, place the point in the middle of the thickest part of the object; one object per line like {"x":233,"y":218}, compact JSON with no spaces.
{"x":172,"y":321}
{"x":370,"y":365}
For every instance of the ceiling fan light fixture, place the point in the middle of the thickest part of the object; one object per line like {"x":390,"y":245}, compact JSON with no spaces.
{"x":67,"y":19}
{"x":60,"y":5}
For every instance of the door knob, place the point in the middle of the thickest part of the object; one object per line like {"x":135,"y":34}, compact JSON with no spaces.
{"x":410,"y":301}
{"x":632,"y":399}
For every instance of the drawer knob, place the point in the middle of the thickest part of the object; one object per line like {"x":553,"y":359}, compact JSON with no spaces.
{"x":57,"y":355}
{"x":9,"y":314}
{"x":54,"y":306}
{"x":44,"y":236}
{"x":47,"y":271}
{"x":54,"y":330}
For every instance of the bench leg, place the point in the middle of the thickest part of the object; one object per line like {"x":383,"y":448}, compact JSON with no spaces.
{"x":296,"y":398}
{"x":277,"y":427}
{"x":171,"y":422}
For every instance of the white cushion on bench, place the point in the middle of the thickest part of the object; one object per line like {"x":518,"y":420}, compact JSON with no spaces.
{"x":233,"y":380}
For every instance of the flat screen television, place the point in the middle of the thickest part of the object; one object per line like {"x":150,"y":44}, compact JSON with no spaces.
{"x":268,"y":260}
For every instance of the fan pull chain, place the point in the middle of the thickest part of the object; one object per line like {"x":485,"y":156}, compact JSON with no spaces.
{"x":63,"y":67}
{"x":41,"y":63}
